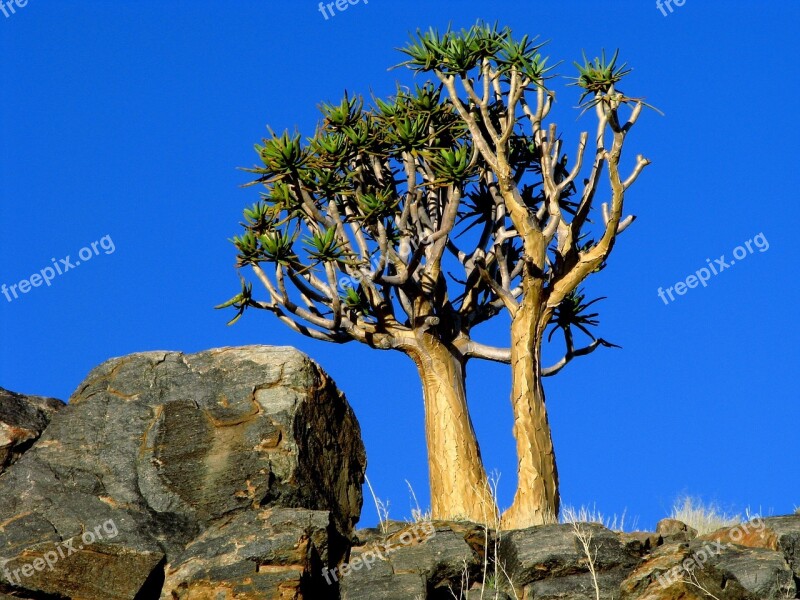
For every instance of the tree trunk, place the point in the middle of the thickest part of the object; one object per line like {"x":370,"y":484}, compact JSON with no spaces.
{"x":458,"y":482}
{"x":536,"y":500}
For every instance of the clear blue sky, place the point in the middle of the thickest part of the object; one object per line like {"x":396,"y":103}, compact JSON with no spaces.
{"x":129,"y":119}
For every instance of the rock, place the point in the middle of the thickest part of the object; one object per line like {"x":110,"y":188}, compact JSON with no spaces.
{"x":164,"y":450}
{"x":271,"y":553}
{"x":661,"y":577}
{"x":580,"y":586}
{"x":489,"y":593}
{"x":410,"y":560}
{"x":772,"y":533}
{"x":641,"y":541}
{"x":787,"y":531}
{"x":764,"y":573}
{"x":730,"y":572}
{"x":22,"y":421}
{"x":642,"y":580}
{"x":386,"y":586}
{"x":235,"y":474}
{"x":676,"y":531}
{"x":552,"y":551}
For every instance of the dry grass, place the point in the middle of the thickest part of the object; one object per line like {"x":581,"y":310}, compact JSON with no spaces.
{"x":577,"y":519}
{"x":694,"y":582}
{"x":381,"y":507}
{"x":417,"y":514}
{"x":591,"y":515}
{"x":493,"y":578}
{"x":705,"y":518}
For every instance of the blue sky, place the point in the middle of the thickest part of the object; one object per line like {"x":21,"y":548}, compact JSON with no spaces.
{"x":129,"y":120}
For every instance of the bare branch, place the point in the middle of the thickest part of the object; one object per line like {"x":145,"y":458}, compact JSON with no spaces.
{"x":473,"y":349}
{"x":549,"y":371}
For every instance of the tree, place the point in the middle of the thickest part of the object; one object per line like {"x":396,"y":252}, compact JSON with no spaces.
{"x":376,"y":194}
{"x":395,"y":199}
{"x":498,"y":88}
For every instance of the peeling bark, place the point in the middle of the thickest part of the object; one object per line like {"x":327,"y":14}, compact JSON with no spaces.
{"x":458,"y":482}
{"x":536,"y":500}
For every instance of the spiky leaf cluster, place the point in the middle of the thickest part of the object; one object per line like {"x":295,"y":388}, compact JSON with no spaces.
{"x":573,"y":311}
{"x":395,"y":200}
{"x":459,"y":53}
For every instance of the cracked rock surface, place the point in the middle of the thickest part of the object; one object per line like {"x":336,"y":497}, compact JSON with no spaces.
{"x":164,"y":457}
{"x":22,"y":421}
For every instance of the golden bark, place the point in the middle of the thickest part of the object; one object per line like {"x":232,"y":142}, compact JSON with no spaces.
{"x":458,"y":483}
{"x":536,"y":500}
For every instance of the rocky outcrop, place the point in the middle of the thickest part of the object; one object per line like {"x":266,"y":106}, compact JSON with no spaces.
{"x":235,"y":474}
{"x":756,"y":560}
{"x":170,"y":475}
{"x":441,"y":560}
{"x":22,"y":420}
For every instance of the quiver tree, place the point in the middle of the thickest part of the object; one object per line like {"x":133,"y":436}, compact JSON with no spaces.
{"x":348,"y":241}
{"x":547,"y":234}
{"x":457,"y":176}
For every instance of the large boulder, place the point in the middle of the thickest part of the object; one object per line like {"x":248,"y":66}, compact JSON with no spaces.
{"x":22,"y":421}
{"x":550,"y":562}
{"x":163,"y":458}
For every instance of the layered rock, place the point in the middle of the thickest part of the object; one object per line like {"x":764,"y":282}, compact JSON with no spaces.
{"x":235,"y":474}
{"x":163,"y":459}
{"x":411,"y":560}
{"x":22,"y":420}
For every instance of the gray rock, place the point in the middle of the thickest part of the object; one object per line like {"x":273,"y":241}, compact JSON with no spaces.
{"x":787,"y":531}
{"x":674,"y":530}
{"x":580,"y":586}
{"x":236,"y":474}
{"x":550,"y":551}
{"x":161,"y":447}
{"x":402,"y":586}
{"x":762,"y":572}
{"x":488,"y":594}
{"x":22,"y":421}
{"x":679,"y":571}
{"x":271,"y":553}
{"x":440,"y":559}
{"x":436,"y":554}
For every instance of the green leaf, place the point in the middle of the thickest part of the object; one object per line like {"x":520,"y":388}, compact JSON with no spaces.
{"x":324,"y":246}
{"x":276,"y":247}
{"x":240,"y":301}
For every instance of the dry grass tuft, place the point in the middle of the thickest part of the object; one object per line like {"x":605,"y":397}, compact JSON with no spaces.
{"x":705,"y":518}
{"x":591,"y":515}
